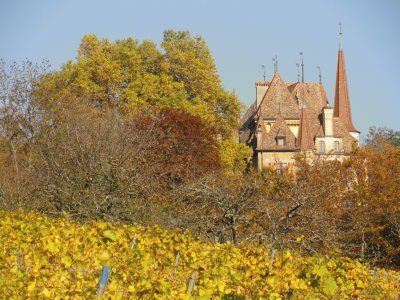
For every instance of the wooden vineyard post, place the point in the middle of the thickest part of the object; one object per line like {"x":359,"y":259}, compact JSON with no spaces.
{"x":176,"y":262}
{"x":191,"y":282}
{"x":19,"y":259}
{"x":105,"y":274}
{"x":373,"y":275}
{"x":133,"y":245}
{"x":271,"y":261}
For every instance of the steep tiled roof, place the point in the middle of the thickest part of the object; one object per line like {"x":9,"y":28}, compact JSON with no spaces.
{"x":245,"y":135}
{"x":324,"y":98}
{"x":305,"y":139}
{"x":247,"y":123}
{"x":313,"y":94}
{"x":279,"y":128}
{"x":291,"y":86}
{"x":249,"y":113}
{"x":261,"y":127}
{"x":277,"y":100}
{"x":342,"y":101}
{"x":313,"y":98}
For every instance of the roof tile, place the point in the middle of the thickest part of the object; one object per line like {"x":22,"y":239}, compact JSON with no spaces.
{"x":277,"y":100}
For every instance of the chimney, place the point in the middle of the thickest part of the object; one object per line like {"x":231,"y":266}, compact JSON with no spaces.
{"x":261,"y":89}
{"x":328,"y":120}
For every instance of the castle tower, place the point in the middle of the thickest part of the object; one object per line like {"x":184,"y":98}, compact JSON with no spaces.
{"x":342,"y":100}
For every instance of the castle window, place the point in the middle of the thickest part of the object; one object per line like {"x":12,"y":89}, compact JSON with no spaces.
{"x":337,"y":147}
{"x":321,"y":149}
{"x":280,"y":141}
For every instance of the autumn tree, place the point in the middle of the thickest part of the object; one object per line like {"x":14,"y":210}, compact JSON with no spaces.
{"x":378,"y":137}
{"x":20,"y":116}
{"x":185,"y":146}
{"x":135,"y":78}
{"x":221,"y":208}
{"x":373,"y":202}
{"x":235,"y":157}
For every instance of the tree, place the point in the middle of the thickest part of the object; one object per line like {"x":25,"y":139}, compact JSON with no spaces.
{"x":91,"y":165}
{"x":221,"y":208}
{"x":19,"y":113}
{"x":378,"y":137}
{"x":188,"y":60}
{"x":134,"y":78}
{"x":235,"y":157}
{"x":185,"y":147}
{"x":373,"y":202}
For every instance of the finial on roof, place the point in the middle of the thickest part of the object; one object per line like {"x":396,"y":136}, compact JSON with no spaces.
{"x":275,"y":60}
{"x":340,"y":36}
{"x":302,"y":67}
{"x":298,"y":72}
{"x":263,"y":67}
{"x":319,"y":74}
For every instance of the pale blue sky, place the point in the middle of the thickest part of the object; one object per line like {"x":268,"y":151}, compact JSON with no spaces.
{"x":242,"y":36}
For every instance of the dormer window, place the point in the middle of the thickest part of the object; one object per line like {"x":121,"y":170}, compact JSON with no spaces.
{"x":281,"y":141}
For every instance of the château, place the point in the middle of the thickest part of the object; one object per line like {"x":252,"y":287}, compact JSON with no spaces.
{"x":287,"y":118}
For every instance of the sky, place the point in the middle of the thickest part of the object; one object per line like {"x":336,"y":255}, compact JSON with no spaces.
{"x":242,"y":36}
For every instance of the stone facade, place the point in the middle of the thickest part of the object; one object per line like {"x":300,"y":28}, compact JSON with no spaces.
{"x":288,"y":118}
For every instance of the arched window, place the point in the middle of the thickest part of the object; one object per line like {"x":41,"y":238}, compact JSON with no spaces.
{"x":321,"y":147}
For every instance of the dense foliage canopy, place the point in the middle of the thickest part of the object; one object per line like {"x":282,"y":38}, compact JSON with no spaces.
{"x":135,"y":78}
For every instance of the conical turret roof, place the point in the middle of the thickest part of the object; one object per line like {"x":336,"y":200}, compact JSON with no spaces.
{"x":342,"y":100}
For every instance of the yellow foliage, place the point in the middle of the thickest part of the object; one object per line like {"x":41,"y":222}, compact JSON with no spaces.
{"x":234,"y":157}
{"x":63,"y":260}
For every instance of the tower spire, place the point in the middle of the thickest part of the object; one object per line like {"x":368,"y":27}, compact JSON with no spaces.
{"x":342,"y":100}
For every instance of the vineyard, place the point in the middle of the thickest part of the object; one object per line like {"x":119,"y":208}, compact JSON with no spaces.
{"x":50,"y":258}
